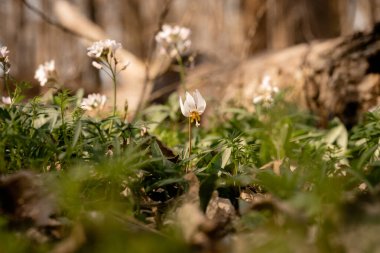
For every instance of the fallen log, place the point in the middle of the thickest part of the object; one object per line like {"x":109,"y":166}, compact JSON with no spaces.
{"x":333,"y":78}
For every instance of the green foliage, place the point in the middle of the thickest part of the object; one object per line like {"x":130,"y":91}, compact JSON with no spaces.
{"x":105,"y":171}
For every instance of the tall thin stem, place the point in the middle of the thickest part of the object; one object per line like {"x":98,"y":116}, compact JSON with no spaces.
{"x":189,"y":164}
{"x":182,"y":73}
{"x":114,"y":93}
{"x":112,"y":69}
{"x":114,"y":99}
{"x":5,"y":78}
{"x":62,"y":113}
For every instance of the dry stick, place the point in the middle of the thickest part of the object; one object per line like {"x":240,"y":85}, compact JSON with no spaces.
{"x":148,"y":61}
{"x":52,"y":22}
{"x":158,"y":93}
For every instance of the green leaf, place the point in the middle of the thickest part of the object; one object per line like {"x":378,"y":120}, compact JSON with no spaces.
{"x":226,"y":157}
{"x":366,"y":156}
{"x":206,"y":189}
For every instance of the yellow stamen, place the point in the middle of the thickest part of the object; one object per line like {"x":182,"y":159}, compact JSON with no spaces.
{"x":195,"y":116}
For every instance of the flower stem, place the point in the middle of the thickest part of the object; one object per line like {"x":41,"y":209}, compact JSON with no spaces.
{"x":5,"y":78}
{"x":189,"y":164}
{"x":112,"y":69}
{"x":182,"y":74}
{"x":114,"y":100}
{"x":114,"y":93}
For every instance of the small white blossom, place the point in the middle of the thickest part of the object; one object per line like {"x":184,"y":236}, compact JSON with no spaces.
{"x":143,"y":131}
{"x":103,"y":48}
{"x":193,"y":107}
{"x":93,"y":101}
{"x":265,"y":92}
{"x":6,"y":100}
{"x":97,"y":65}
{"x":374,"y":109}
{"x":46,"y":72}
{"x":4,"y":54}
{"x":174,"y":40}
{"x":5,"y":66}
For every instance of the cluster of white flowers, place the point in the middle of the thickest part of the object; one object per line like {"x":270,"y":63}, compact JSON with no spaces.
{"x":103,"y":52}
{"x":46,"y":72}
{"x":193,"y":107}
{"x":102,"y":48}
{"x":174,"y":40}
{"x":93,"y":101}
{"x":265,"y":92}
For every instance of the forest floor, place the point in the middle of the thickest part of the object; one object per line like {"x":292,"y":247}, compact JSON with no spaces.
{"x":256,"y":180}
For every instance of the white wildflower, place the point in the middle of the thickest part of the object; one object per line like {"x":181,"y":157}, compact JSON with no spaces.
{"x":363,"y":186}
{"x":265,"y":92}
{"x":93,"y":101}
{"x":103,"y":53}
{"x":5,"y":66}
{"x":4,"y":54}
{"x":174,"y":40}
{"x":102,"y":48}
{"x":6,"y":100}
{"x":374,"y":109}
{"x":143,"y":131}
{"x":193,"y":107}
{"x":46,"y":72}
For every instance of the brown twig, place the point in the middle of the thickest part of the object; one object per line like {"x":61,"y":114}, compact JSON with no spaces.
{"x":158,"y":93}
{"x":52,"y":22}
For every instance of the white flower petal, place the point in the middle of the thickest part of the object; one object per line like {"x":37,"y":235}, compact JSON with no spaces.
{"x":185,"y":113}
{"x":96,"y":65}
{"x":190,"y":103}
{"x":173,"y":40}
{"x":103,"y":46}
{"x":200,"y":102}
{"x":4,"y":53}
{"x":258,"y":99}
{"x":6,"y":100}
{"x":45,"y":72}
{"x":93,"y":101}
{"x":265,"y":91}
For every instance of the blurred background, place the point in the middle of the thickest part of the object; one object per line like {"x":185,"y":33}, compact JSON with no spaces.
{"x":227,"y":30}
